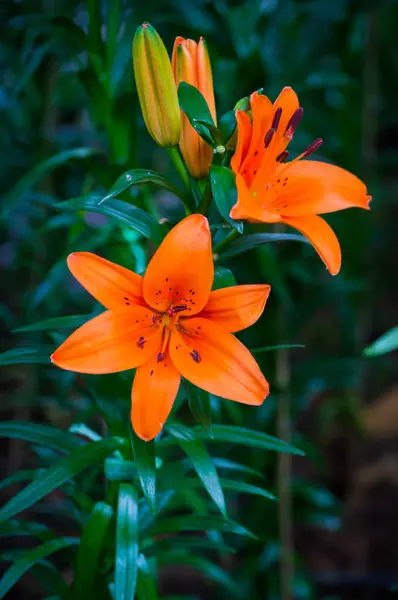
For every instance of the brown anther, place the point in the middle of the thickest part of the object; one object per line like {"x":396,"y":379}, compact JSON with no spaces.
{"x":312,"y":147}
{"x":293,"y":122}
{"x":161,"y":357}
{"x":282,"y":156}
{"x":141,"y":342}
{"x":277,"y":118}
{"x":268,"y":137}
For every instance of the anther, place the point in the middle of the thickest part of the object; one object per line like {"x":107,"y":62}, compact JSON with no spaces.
{"x":282,"y":156}
{"x":141,"y":342}
{"x":293,"y":122}
{"x":161,"y":356}
{"x":176,"y":309}
{"x":268,"y":137}
{"x":312,"y":147}
{"x":277,"y":118}
{"x":196,"y":356}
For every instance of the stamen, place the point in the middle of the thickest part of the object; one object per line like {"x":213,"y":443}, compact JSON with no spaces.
{"x":156,"y":318}
{"x":312,"y":147}
{"x":293,"y":122}
{"x":277,"y":118}
{"x":282,"y":156}
{"x":161,"y":357}
{"x":268,"y":137}
{"x":196,"y":356}
{"x":176,"y":309}
{"x":141,"y":341}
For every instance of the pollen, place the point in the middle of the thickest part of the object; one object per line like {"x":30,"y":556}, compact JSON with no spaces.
{"x":196,"y":356}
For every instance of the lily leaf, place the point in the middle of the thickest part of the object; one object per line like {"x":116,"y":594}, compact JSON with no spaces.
{"x":126,"y":543}
{"x":253,"y":240}
{"x":122,"y":212}
{"x":225,"y":193}
{"x":144,"y":456}
{"x":385,"y":343}
{"x":140,"y":176}
{"x":56,"y":323}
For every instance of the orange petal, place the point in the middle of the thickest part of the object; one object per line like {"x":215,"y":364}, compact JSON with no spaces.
{"x":205,"y":77}
{"x":112,"y":285}
{"x":322,"y":237}
{"x":154,"y":390}
{"x":249,"y":206}
{"x":216,"y":361}
{"x":262,"y":113}
{"x":316,"y":187}
{"x":237,"y":307}
{"x":288,"y":102}
{"x":244,"y":135}
{"x":110,"y":343}
{"x":181,"y":271}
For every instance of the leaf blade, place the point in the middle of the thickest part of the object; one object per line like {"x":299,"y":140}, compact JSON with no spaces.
{"x":126,"y":570}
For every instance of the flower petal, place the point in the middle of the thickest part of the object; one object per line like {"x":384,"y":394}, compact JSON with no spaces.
{"x":112,"y":285}
{"x":316,"y":187}
{"x":244,"y":135}
{"x":249,"y":206}
{"x":110,"y":343}
{"x":322,"y":237}
{"x":181,"y":271}
{"x":216,"y":361}
{"x":288,"y":102}
{"x":237,"y":307}
{"x":154,"y":390}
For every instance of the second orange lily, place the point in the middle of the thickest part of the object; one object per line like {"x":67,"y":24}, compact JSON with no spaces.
{"x":167,"y":324}
{"x":271,"y":190}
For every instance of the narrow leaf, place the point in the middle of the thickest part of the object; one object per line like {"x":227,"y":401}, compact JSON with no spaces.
{"x":56,"y":323}
{"x":238,"y":435}
{"x":146,"y":588}
{"x":43,"y":435}
{"x":199,"y":523}
{"x":140,"y":176}
{"x":26,"y":562}
{"x":119,"y":470}
{"x":122,"y":212}
{"x":194,"y":105}
{"x":144,"y":456}
{"x":91,"y":544}
{"x":279,"y":347}
{"x":204,"y":467}
{"x":199,"y":405}
{"x":126,"y":543}
{"x":65,"y":469}
{"x":225,"y":194}
{"x":385,"y":343}
{"x":253,"y":240}
{"x":32,"y":356}
{"x":223,"y":278}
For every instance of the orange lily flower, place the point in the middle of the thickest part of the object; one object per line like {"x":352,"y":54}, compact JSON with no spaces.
{"x":167,"y":324}
{"x":191,"y":63}
{"x":271,"y":190}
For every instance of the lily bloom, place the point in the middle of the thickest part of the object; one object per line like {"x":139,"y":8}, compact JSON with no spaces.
{"x":271,"y":190}
{"x":166,"y":324}
{"x":191,"y":63}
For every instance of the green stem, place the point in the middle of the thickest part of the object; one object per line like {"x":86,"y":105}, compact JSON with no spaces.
{"x":228,"y":238}
{"x":179,"y":165}
{"x":206,"y":200}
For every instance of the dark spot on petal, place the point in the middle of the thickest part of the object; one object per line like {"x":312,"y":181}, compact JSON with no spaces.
{"x":167,"y":278}
{"x":151,"y":373}
{"x":256,"y":152}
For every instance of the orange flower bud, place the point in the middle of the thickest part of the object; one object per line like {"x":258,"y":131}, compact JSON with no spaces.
{"x":191,"y":63}
{"x":155,"y":85}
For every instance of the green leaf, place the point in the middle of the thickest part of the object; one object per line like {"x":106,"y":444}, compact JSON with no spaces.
{"x":278,"y":347}
{"x":56,"y":323}
{"x":16,"y":528}
{"x":230,"y":465}
{"x":210,"y":570}
{"x":144,"y":456}
{"x":64,"y":470}
{"x":91,"y":544}
{"x":29,"y":356}
{"x":122,"y":212}
{"x":224,"y":193}
{"x":140,"y":176}
{"x":237,"y":435}
{"x":39,"y":171}
{"x":43,"y":435}
{"x":253,"y":240}
{"x":199,"y":405}
{"x":203,"y":465}
{"x":199,"y":523}
{"x":156,"y":547}
{"x":26,"y":562}
{"x":223,"y":278}
{"x":194,"y":105}
{"x":385,"y":343}
{"x":119,"y":470}
{"x":126,"y":543}
{"x":146,"y":588}
{"x":227,"y":125}
{"x":25,"y":475}
{"x":182,"y":484}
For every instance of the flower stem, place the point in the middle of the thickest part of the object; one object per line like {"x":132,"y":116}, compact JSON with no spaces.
{"x":206,"y":200}
{"x":228,"y":238}
{"x":179,"y":165}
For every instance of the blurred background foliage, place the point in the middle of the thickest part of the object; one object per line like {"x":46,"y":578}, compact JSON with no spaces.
{"x":70,"y":126}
